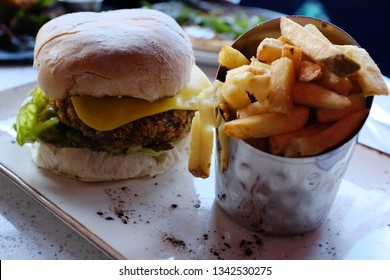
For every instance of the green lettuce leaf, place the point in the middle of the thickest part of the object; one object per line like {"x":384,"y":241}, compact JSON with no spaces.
{"x":36,"y":118}
{"x":37,"y":121}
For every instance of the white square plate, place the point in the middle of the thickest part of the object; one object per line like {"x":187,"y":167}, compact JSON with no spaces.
{"x":174,"y":216}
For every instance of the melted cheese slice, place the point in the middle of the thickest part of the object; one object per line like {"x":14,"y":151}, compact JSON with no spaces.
{"x":109,"y":112}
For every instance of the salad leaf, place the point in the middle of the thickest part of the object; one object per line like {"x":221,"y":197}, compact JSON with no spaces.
{"x":36,"y":116}
{"x":37,"y":121}
{"x":227,"y":24}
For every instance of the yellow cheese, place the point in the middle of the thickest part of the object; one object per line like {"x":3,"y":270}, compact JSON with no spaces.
{"x":108,"y":113}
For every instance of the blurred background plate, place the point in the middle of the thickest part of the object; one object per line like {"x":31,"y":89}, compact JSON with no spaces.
{"x":212,"y":25}
{"x":16,"y":57}
{"x":206,"y":58}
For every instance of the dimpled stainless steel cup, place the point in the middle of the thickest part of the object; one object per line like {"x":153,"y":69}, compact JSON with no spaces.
{"x":273,"y":194}
{"x":277,"y":195}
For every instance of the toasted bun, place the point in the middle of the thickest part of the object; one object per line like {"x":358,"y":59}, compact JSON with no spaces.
{"x":135,"y":52}
{"x":91,"y":166}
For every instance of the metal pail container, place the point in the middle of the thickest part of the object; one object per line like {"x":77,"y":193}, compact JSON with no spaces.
{"x":273,"y":194}
{"x":278,"y":195}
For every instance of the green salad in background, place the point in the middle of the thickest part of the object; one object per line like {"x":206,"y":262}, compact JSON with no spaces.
{"x":218,"y":18}
{"x":209,"y":21}
{"x":21,"y":20}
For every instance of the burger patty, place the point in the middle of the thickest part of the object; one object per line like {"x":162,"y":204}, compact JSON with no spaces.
{"x":156,"y":132}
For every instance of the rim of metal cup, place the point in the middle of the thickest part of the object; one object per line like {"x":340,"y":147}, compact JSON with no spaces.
{"x":247,"y":44}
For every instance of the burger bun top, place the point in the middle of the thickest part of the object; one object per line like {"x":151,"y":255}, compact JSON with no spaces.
{"x":141,"y":53}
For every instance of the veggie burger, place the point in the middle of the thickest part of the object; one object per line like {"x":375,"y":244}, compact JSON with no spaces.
{"x":116,"y":95}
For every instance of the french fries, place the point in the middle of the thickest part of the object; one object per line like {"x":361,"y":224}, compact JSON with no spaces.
{"x":202,"y":132}
{"x":313,"y":29}
{"x":222,"y":142}
{"x":279,"y":144}
{"x":309,"y":71}
{"x":329,"y":80}
{"x":254,"y":108}
{"x":281,"y":85}
{"x":369,"y":75}
{"x":202,"y":137}
{"x":316,"y":96}
{"x":231,"y":58}
{"x":327,"y":138}
{"x":267,"y":124}
{"x":235,"y":96}
{"x":298,"y":96}
{"x":358,"y":102}
{"x":294,"y":53}
{"x":318,"y":49}
{"x":269,"y":50}
{"x":253,"y":79}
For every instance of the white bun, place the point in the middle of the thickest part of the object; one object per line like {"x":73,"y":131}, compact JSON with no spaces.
{"x":132,"y":52}
{"x":91,"y":166}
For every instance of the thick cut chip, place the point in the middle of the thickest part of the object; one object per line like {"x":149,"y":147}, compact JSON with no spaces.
{"x":309,"y":71}
{"x":251,"y":78}
{"x":328,"y":138}
{"x":341,"y":85}
{"x":294,"y":53}
{"x":280,"y":143}
{"x":258,"y":64}
{"x":316,"y":96}
{"x":313,"y":29}
{"x":202,"y":131}
{"x":269,"y":50}
{"x":223,"y":145}
{"x":231,"y":58}
{"x":265,"y":125}
{"x":235,"y":96}
{"x":259,"y":87}
{"x":201,"y":146}
{"x":254,"y":108}
{"x":318,"y":49}
{"x":281,"y":85}
{"x":369,"y":76}
{"x":358,"y":102}
{"x":239,"y":76}
{"x":207,"y":102}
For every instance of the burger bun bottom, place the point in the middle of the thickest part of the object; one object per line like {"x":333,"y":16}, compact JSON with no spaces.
{"x":93,"y":166}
